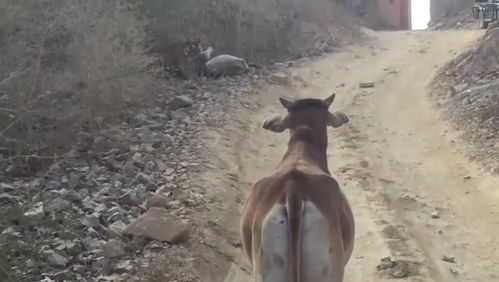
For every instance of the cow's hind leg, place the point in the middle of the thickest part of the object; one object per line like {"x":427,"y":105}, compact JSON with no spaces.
{"x":321,"y":257}
{"x":274,"y":252}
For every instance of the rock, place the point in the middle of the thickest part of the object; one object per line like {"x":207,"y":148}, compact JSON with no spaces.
{"x":5,"y":188}
{"x":90,"y":221}
{"x":11,"y":231}
{"x":102,"y":265}
{"x":449,"y":259}
{"x":130,"y":198}
{"x":435,"y":215}
{"x":159,"y":224}
{"x":64,"y":275}
{"x":124,"y":266}
{"x":386,"y":263}
{"x":113,"y":164}
{"x":36,"y":212}
{"x":92,"y":244}
{"x":466,"y":101}
{"x":158,"y":201}
{"x":366,"y":84}
{"x":80,"y":269}
{"x":180,"y":102}
{"x":138,"y":159}
{"x":280,"y":78}
{"x":460,"y":87}
{"x":56,"y":205}
{"x":77,"y":197}
{"x":175,"y":204}
{"x":115,"y":214}
{"x":116,"y":229}
{"x":56,"y":259}
{"x":70,"y":247}
{"x":113,"y":249}
{"x":207,"y":95}
{"x":6,"y":198}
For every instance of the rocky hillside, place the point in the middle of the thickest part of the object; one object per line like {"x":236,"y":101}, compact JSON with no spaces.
{"x":449,"y":14}
{"x":87,"y":217}
{"x":468,"y":91}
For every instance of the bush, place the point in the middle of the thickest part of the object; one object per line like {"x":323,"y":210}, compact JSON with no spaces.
{"x":260,"y":31}
{"x":68,"y":65}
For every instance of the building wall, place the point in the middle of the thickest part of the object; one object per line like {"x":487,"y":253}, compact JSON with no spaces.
{"x":394,"y":14}
{"x":386,"y":14}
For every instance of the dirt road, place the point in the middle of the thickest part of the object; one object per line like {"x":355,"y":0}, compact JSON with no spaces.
{"x":416,"y":198}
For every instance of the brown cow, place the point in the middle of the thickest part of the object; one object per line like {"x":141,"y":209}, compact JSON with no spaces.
{"x":297,"y":225}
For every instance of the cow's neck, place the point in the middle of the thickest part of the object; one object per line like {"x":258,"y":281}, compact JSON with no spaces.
{"x":309,"y":143}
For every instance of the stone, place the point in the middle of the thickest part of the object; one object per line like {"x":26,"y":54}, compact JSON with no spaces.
{"x":56,"y":205}
{"x":460,"y":87}
{"x":5,"y":187}
{"x":449,"y":259}
{"x":80,"y":269}
{"x":6,"y":198}
{"x":57,"y":260}
{"x":158,"y":201}
{"x":113,"y":249}
{"x":64,"y":275}
{"x":92,"y":244}
{"x":435,"y":215}
{"x":116,"y":229}
{"x":91,"y":221}
{"x":36,"y":212}
{"x":65,"y":245}
{"x":159,"y":224}
{"x":102,"y":265}
{"x":130,"y":198}
{"x":366,"y":84}
{"x":280,"y":78}
{"x":180,"y":102}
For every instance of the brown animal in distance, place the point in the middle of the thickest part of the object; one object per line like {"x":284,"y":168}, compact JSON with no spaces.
{"x":180,"y":56}
{"x":297,"y":225}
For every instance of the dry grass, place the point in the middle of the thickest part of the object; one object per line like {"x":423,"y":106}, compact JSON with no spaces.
{"x":66,"y":66}
{"x":260,"y":31}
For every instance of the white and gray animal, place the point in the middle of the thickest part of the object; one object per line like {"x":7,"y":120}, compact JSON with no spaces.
{"x":226,"y":65}
{"x":199,"y":62}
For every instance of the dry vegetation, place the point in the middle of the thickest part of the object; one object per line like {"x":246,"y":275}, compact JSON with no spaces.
{"x":468,"y":92}
{"x":67,"y":66}
{"x":79,"y":66}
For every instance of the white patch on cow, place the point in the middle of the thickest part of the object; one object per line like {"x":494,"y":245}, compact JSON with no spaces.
{"x":274,"y":257}
{"x":316,"y":250}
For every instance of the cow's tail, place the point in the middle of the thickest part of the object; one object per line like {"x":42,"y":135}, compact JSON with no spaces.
{"x":294,"y":206}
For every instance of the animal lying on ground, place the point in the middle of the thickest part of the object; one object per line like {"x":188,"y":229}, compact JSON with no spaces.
{"x":226,"y":65}
{"x":297,"y":225}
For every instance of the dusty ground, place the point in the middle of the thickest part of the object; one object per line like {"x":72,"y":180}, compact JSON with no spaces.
{"x":416,"y":198}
